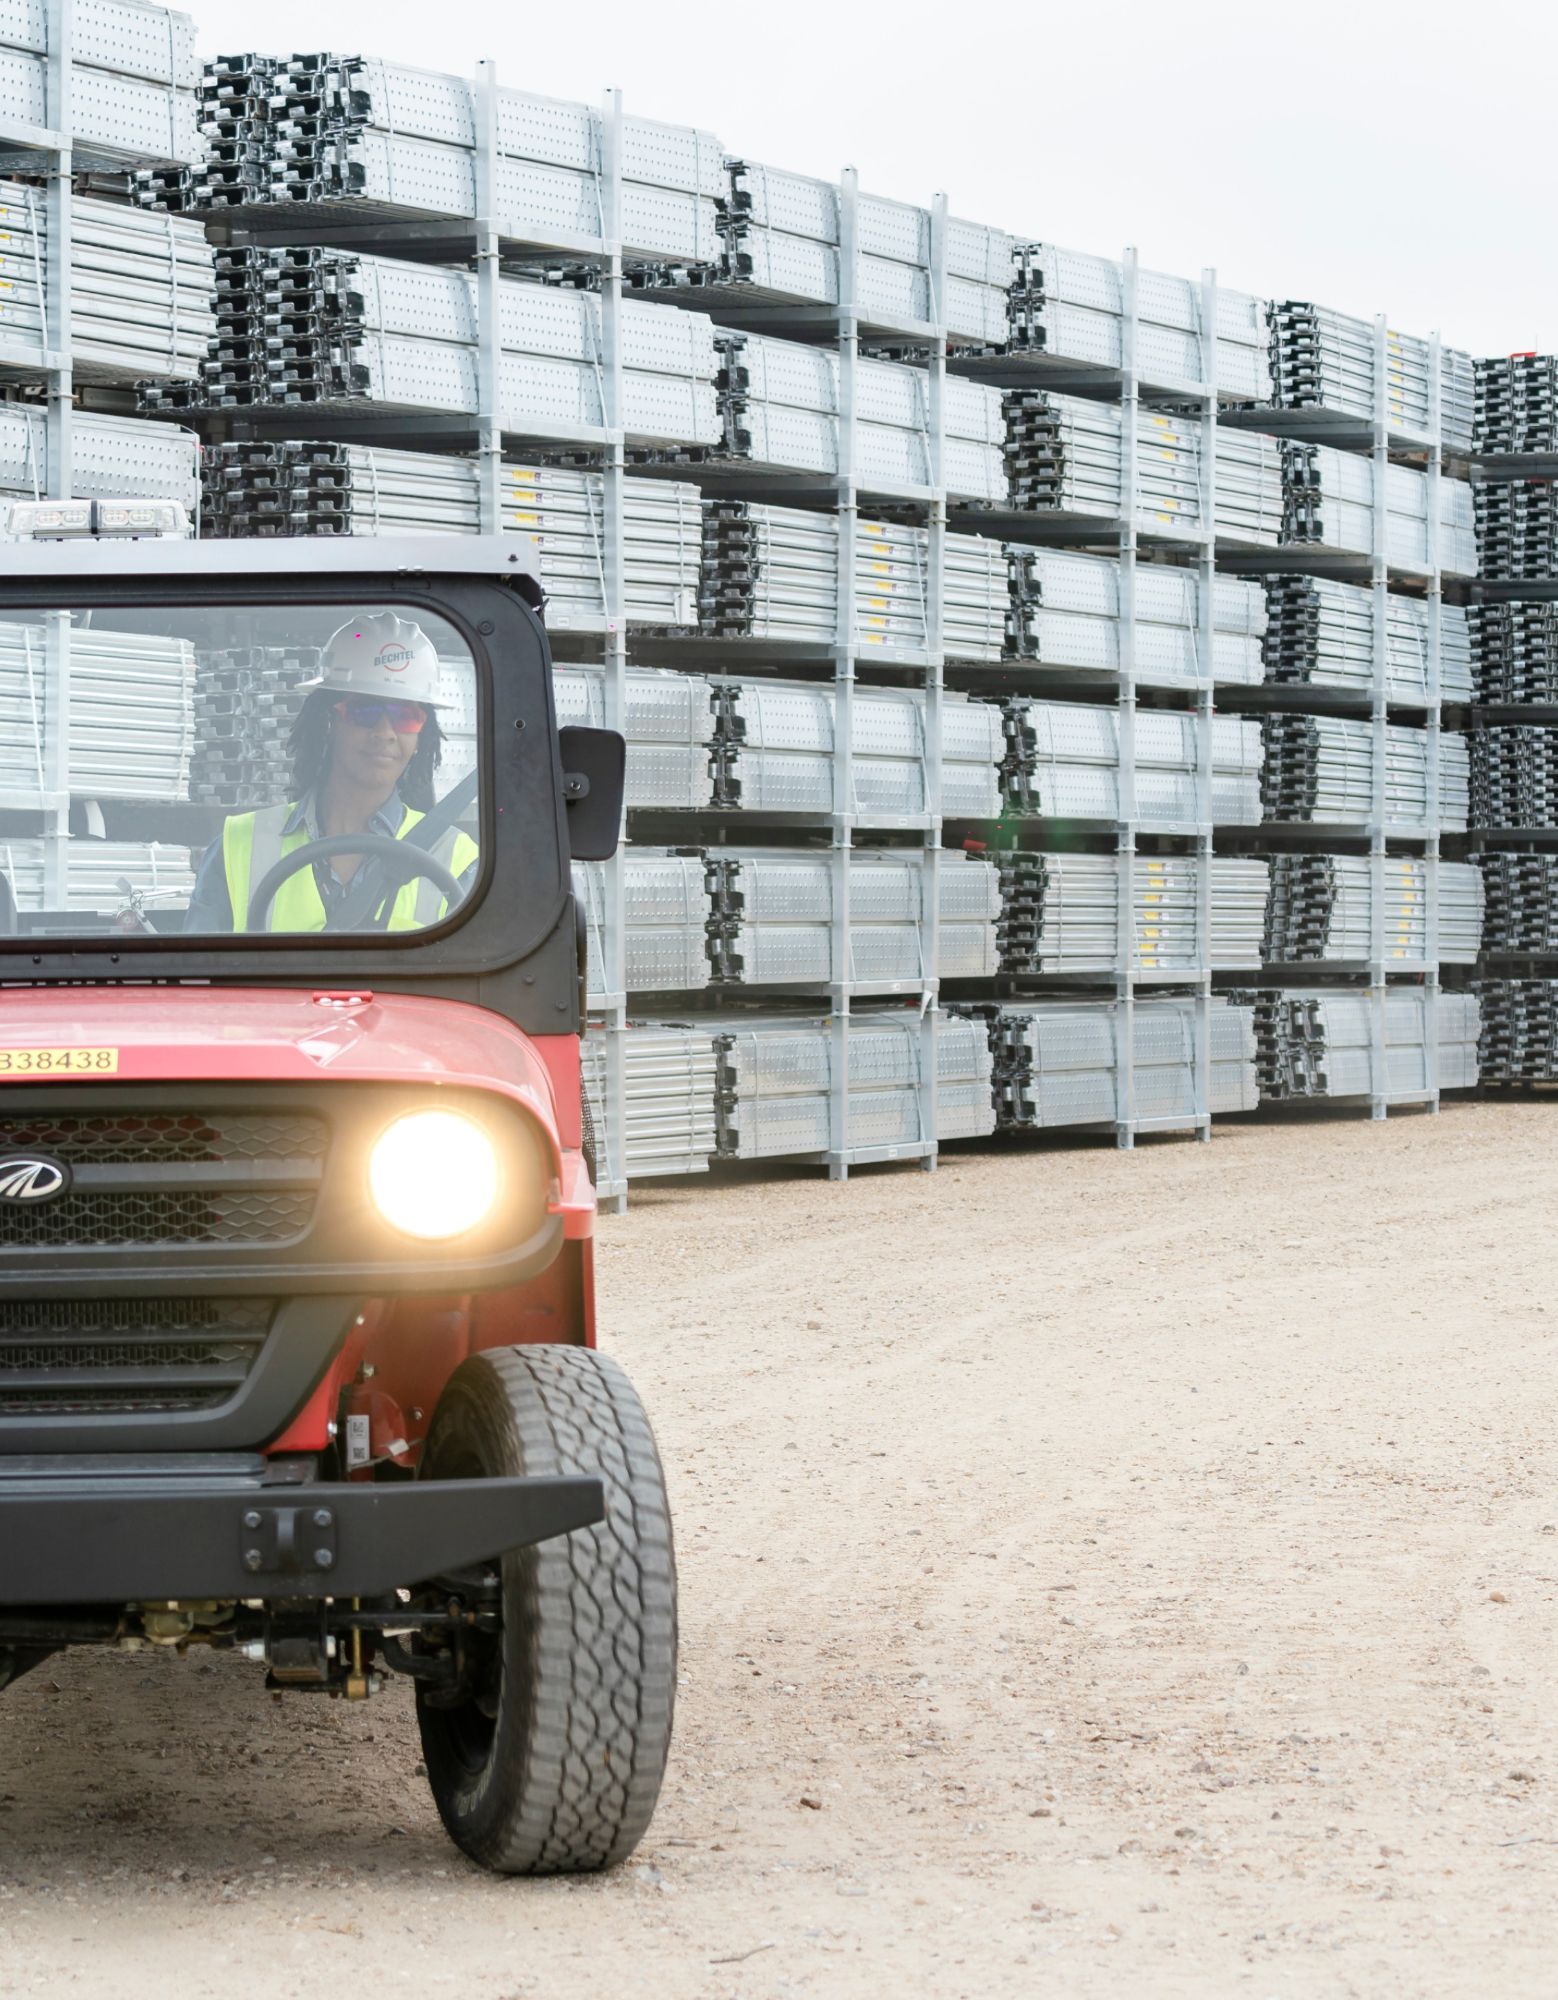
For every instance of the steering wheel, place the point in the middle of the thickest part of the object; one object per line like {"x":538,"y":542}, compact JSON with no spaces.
{"x":405,"y":863}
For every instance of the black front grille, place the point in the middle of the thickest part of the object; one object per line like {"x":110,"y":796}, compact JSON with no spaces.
{"x":151,"y":1139}
{"x":143,"y":1179}
{"x":73,"y":1357}
{"x":87,"y":1220}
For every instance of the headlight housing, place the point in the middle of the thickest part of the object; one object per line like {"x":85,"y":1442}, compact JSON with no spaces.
{"x":434,"y":1175}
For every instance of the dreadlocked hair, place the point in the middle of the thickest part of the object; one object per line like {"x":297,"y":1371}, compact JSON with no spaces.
{"x":310,"y":748}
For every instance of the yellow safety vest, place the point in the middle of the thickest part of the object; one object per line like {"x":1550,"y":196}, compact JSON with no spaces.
{"x":252,"y":844}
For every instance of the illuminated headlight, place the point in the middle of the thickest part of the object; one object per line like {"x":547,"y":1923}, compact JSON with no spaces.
{"x":434,"y":1174}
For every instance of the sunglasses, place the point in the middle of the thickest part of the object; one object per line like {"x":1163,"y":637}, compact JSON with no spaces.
{"x":406,"y":718}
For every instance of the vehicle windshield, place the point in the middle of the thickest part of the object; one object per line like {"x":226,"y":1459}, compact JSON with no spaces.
{"x":237,"y":771}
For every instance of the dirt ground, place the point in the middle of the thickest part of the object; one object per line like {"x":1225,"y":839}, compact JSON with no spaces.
{"x":1102,"y":1575}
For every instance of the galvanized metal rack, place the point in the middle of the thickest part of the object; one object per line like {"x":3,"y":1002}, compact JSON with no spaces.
{"x":1116,"y":345}
{"x":1130,"y":384}
{"x":1397,"y":752}
{"x":47,"y":150}
{"x":851,"y":327}
{"x":1514,"y":722}
{"x":847,"y":818}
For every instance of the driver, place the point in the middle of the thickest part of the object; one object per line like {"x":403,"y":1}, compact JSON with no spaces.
{"x":364,"y":750}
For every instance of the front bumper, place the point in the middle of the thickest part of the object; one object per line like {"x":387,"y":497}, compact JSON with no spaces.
{"x":84,"y":1531}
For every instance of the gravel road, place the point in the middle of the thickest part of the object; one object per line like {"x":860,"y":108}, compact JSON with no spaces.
{"x":1102,"y":1575}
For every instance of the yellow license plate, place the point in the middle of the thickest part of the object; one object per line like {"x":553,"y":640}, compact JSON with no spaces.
{"x":58,"y":1062}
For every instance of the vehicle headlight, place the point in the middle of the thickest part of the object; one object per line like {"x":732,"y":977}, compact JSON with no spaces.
{"x":434,"y":1174}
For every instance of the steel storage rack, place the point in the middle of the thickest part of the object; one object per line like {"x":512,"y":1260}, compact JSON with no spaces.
{"x":1362,"y":653}
{"x":94,"y":291}
{"x":367,"y":221}
{"x":1136,"y":464}
{"x":831,"y":749}
{"x":917,"y":536}
{"x":1514,"y":720}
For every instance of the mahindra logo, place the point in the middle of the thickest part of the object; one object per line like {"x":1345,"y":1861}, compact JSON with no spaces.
{"x":32,"y":1180}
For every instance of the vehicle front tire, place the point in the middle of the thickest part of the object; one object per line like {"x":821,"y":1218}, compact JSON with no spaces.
{"x":553,"y":1762}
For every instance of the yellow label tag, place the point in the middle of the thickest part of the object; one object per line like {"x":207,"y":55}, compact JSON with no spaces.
{"x":58,"y":1062}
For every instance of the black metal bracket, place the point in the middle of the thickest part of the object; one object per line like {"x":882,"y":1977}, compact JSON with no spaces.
{"x":288,"y":1541}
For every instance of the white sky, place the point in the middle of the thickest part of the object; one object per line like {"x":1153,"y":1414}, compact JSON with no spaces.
{"x":1370,"y":156}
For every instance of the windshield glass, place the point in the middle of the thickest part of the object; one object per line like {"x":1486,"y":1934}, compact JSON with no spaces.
{"x":227,"y":772}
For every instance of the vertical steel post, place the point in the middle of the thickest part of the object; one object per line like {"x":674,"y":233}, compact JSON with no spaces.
{"x":60,"y":38}
{"x":1379,"y":1082}
{"x":1433,"y":495}
{"x":1207,"y":635}
{"x":489,"y":350}
{"x":58,"y":455}
{"x":935,"y":679}
{"x":1125,"y":725}
{"x":843,"y":817}
{"x":614,"y":654}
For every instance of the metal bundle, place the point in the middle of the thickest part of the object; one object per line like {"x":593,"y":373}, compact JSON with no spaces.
{"x":773,"y":913}
{"x":1515,"y":650}
{"x":245,"y":703}
{"x":1329,"y":503}
{"x":670,"y":724}
{"x":776,"y":1080}
{"x":1061,"y":912}
{"x":780,"y":245}
{"x":348,"y":489}
{"x":665,"y":939}
{"x":1064,"y":456}
{"x":1323,"y":360}
{"x":772,"y":573}
{"x":1516,"y":403}
{"x":130,"y":728}
{"x":1320,"y":908}
{"x":1065,"y":612}
{"x":100,"y":875}
{"x":670,"y":1073}
{"x":724,"y":917}
{"x":774,"y":751}
{"x":364,"y":141}
{"x":112,"y":458}
{"x":1522,"y":903}
{"x":1519,"y":1030}
{"x":1517,"y":528}
{"x":1070,"y":304}
{"x":779,"y":402}
{"x":1062,"y":762}
{"x":1056,"y":1062}
{"x":1320,"y":633}
{"x":329,"y":329}
{"x":132,"y":80}
{"x":1321,"y":768}
{"x":1322,"y":1044}
{"x":1514,"y":777}
{"x":140,"y":286}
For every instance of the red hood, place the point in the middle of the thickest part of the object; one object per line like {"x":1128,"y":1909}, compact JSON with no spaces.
{"x":276,"y":1035}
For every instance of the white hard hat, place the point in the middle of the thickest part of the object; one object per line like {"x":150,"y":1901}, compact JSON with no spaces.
{"x":381,"y":654}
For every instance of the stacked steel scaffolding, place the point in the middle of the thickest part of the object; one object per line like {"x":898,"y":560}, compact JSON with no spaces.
{"x":1078,"y":326}
{"x":858,"y":624}
{"x":1514,"y":735}
{"x":866,"y":626}
{"x":94,"y":291}
{"x":1357,"y":769}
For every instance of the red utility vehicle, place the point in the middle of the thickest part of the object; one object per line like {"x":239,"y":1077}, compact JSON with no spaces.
{"x":297,"y":1344}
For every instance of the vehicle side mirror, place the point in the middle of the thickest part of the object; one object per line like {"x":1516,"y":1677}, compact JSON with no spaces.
{"x":594,"y":783}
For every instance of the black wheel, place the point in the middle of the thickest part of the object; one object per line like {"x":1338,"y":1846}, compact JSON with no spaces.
{"x":550,"y":1759}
